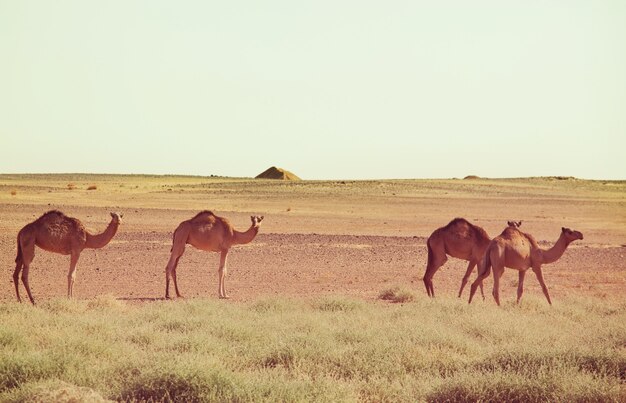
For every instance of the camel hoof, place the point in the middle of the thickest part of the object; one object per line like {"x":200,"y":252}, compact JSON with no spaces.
{"x":224,"y":297}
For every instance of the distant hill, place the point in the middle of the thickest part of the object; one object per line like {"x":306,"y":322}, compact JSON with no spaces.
{"x":277,"y":173}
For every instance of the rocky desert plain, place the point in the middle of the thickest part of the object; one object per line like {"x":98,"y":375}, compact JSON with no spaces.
{"x":339,"y":237}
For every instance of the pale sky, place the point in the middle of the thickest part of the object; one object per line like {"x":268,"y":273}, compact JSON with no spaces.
{"x":326,"y":89}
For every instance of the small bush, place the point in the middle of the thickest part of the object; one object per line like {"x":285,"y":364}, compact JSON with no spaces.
{"x":92,"y":187}
{"x":270,"y":305}
{"x":13,"y":192}
{"x":396,"y":295}
{"x":337,"y":304}
{"x":180,"y":385}
{"x":26,"y":368}
{"x":106,"y":303}
{"x":282,"y":357}
{"x":71,"y":186}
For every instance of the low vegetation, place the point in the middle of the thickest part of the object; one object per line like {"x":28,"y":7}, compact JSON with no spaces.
{"x":326,"y":349}
{"x":397,"y":294}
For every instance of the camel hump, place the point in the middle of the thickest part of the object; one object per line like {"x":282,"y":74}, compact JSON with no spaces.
{"x":467,"y":228}
{"x":204,"y":213}
{"x":511,"y":231}
{"x":458,"y":220}
{"x":514,"y":232}
{"x":52,"y":213}
{"x":56,"y":217}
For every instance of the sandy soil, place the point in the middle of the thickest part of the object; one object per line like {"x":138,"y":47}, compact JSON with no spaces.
{"x":339,"y":238}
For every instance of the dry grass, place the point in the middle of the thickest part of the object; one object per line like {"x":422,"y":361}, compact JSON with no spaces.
{"x":71,"y":186}
{"x":397,"y":294}
{"x":329,"y":349}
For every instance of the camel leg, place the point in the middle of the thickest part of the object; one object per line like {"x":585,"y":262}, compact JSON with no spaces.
{"x":28,"y":254}
{"x":71,"y":275}
{"x":520,"y":285}
{"x":483,"y":273}
{"x":170,"y":270}
{"x":436,"y":263}
{"x":468,"y":272}
{"x":539,"y":275}
{"x":16,"y":279}
{"x":222,"y":274}
{"x":178,"y":294}
{"x":497,"y":274}
{"x":26,"y":284}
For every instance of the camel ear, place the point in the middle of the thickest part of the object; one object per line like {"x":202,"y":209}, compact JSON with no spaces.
{"x":261,"y":218}
{"x":563,"y":229}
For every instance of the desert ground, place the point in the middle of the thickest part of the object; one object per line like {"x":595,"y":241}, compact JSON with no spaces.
{"x":352,"y":238}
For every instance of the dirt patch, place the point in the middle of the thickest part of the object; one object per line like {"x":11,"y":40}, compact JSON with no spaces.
{"x":355,"y":239}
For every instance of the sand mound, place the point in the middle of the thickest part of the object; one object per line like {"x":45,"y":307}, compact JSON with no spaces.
{"x":277,"y":173}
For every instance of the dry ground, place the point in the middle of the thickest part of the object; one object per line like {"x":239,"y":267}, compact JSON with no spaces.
{"x":351,"y":238}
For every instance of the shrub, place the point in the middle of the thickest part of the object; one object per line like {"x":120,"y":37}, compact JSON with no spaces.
{"x":13,"y":192}
{"x":180,"y":384}
{"x":71,"y":186}
{"x":337,"y":304}
{"x":92,"y":187}
{"x":396,"y":295}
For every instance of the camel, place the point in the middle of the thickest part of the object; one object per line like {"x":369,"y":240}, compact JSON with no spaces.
{"x":206,"y":231}
{"x":57,"y":233}
{"x":517,"y":250}
{"x":459,"y":239}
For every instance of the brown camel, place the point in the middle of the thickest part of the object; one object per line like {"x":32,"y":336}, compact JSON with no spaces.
{"x":206,"y":231}
{"x":58,"y":233}
{"x":517,"y":250}
{"x":460,"y":239}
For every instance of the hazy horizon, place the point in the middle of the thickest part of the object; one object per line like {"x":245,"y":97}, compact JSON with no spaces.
{"x":557,"y":177}
{"x":326,"y":90}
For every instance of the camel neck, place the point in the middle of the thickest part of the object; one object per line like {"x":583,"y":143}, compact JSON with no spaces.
{"x":100,"y":240}
{"x":556,"y":251}
{"x":240,"y":238}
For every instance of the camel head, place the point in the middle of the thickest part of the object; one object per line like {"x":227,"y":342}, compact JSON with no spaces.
{"x":256,"y":220}
{"x":571,"y":235}
{"x":117,"y":217}
{"x":514,"y":224}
